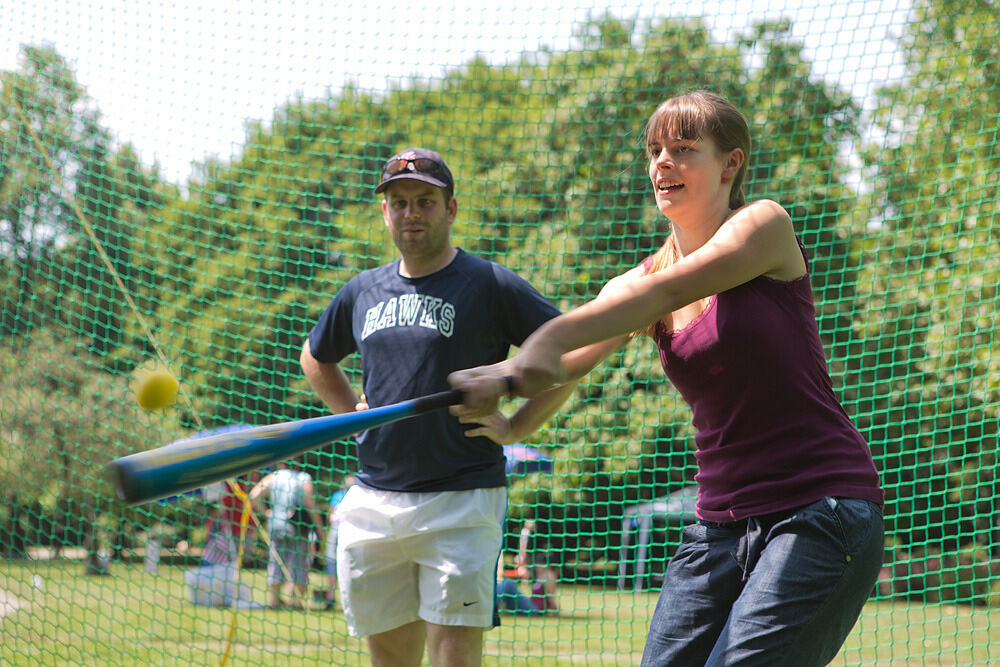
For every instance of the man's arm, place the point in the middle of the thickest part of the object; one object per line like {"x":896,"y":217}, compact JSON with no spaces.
{"x":259,"y":493}
{"x":329,"y":381}
{"x":310,"y":505}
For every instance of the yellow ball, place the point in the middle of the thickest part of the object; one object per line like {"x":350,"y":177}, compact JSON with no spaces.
{"x":156,"y":389}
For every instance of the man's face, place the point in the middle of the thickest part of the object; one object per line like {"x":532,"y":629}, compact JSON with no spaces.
{"x":419,"y":219}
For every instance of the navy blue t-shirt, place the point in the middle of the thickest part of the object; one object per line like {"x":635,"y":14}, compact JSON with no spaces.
{"x":413,"y":332}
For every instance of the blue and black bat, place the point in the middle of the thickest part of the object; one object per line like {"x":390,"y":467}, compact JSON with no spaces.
{"x":190,"y":464}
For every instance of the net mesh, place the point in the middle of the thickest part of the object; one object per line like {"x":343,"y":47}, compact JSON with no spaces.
{"x":187,"y":185}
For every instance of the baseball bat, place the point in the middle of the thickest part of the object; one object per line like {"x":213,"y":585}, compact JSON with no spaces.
{"x":195,"y":462}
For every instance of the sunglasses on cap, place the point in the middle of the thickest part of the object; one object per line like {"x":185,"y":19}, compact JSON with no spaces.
{"x":421,"y":165}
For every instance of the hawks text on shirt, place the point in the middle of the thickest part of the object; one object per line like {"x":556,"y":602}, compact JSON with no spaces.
{"x":409,"y":310}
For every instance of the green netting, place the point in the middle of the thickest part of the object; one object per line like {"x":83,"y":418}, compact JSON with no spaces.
{"x":190,"y":184}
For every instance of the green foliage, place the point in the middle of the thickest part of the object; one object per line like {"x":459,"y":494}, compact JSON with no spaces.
{"x":38,"y":109}
{"x":65,"y":196}
{"x":230,"y":269}
{"x":65,"y":418}
{"x":925,"y":362}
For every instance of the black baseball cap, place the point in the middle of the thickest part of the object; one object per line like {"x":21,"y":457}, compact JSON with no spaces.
{"x":419,"y":164}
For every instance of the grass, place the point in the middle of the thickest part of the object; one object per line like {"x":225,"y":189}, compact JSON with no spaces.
{"x":132,"y":617}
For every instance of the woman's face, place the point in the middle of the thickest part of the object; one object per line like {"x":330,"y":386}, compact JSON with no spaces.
{"x":689,"y":174}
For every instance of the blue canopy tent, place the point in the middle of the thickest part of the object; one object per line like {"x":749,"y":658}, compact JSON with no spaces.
{"x":524,"y":460}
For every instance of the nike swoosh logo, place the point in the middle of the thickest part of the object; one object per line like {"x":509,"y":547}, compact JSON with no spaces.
{"x":469,"y":604}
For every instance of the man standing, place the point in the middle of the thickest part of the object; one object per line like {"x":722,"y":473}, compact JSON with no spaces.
{"x":291,"y":516}
{"x":420,"y":531}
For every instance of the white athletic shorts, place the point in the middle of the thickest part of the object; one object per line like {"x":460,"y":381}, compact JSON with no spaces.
{"x":403,"y":557}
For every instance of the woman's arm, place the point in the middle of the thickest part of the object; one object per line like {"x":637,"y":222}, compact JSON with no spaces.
{"x":757,"y":240}
{"x":527,"y":419}
{"x":536,"y":411}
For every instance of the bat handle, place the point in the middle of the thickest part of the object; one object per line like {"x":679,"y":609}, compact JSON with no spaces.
{"x":436,"y":401}
{"x":445,"y":398}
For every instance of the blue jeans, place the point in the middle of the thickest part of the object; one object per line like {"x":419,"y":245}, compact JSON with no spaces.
{"x":781,"y":589}
{"x":511,"y":599}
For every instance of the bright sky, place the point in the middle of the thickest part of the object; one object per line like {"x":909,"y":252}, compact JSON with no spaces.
{"x":180,"y":79}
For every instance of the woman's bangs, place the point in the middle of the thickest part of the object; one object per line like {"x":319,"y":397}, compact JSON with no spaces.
{"x":680,"y":120}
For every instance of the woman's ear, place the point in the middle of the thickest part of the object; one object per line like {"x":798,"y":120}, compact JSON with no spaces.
{"x":734,"y":160}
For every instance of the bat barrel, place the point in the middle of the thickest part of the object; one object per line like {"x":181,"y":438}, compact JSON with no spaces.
{"x":190,"y":464}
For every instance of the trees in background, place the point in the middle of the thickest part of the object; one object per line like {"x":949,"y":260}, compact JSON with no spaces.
{"x":63,"y":417}
{"x":549,"y":162}
{"x":923,"y":369}
{"x":65,"y":191}
{"x":43,"y":110}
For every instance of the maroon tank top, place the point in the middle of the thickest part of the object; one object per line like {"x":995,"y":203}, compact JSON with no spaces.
{"x":772,"y":435}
